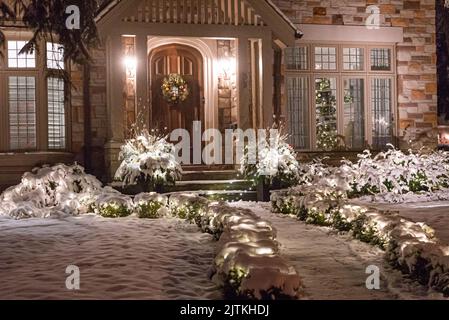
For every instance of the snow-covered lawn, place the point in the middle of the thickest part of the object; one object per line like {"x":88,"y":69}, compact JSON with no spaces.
{"x":333,"y":266}
{"x":125,"y":258}
{"x":435,"y":214}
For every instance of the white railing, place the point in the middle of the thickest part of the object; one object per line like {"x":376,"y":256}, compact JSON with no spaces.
{"x":220,"y":12}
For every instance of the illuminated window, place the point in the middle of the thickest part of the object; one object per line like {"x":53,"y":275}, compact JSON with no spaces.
{"x":17,"y":60}
{"x":325,"y":58}
{"x":56,"y":114}
{"x":55,"y":56}
{"x":345,"y":101}
{"x":22,"y":113}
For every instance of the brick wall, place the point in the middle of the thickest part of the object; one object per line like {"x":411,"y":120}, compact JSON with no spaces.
{"x":416,"y":55}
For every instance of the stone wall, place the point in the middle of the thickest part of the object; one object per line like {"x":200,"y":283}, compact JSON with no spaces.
{"x":99,"y":122}
{"x":416,"y":55}
{"x":227,"y":87}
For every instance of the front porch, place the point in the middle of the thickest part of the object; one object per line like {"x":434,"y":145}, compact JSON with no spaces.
{"x":229,"y":65}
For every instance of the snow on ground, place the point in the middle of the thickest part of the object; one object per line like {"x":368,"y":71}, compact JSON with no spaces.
{"x":333,"y":266}
{"x":434,"y":214}
{"x":126,"y":258}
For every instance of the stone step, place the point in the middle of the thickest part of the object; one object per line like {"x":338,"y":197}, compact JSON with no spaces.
{"x":206,"y":185}
{"x":210,"y":175}
{"x":220,"y":195}
{"x":215,"y":167}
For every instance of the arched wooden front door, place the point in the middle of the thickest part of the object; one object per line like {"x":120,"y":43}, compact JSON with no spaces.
{"x":187,"y":62}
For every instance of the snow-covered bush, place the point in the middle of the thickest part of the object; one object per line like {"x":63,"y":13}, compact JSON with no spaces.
{"x":113,"y":205}
{"x":276,"y":161}
{"x":148,"y":159}
{"x":188,"y":206}
{"x":151,"y":205}
{"x":409,"y":246}
{"x":391,"y":176}
{"x":399,"y":173}
{"x":50,"y":191}
{"x":248,"y":264}
{"x":313,"y":171}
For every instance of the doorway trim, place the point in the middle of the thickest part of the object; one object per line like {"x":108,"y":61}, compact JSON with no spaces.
{"x":210,"y":82}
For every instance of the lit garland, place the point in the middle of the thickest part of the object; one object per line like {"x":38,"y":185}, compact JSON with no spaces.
{"x":175,"y":89}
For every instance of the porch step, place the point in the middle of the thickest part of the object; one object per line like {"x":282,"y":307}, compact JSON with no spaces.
{"x":230,"y":195}
{"x":203,"y":167}
{"x":211,"y":185}
{"x":210,"y":175}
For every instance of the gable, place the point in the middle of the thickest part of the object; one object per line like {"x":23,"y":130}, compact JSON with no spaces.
{"x":236,"y":13}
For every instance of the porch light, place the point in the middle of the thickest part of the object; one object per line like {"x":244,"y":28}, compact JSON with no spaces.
{"x":443,"y":135}
{"x":227,"y":66}
{"x":130,"y":64}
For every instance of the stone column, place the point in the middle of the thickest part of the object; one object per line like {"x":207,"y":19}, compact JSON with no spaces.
{"x":244,"y":83}
{"x":142,"y":84}
{"x":115,"y":87}
{"x":267,"y":82}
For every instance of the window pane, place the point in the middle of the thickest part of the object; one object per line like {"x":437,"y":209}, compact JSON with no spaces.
{"x":22,"y":113}
{"x":353,"y":59}
{"x":325,"y":58}
{"x":380,"y":59}
{"x":326,"y":113}
{"x":354,"y":113}
{"x":297,"y":58}
{"x":382,"y":112}
{"x":26,"y":60}
{"x":298,"y":111}
{"x":56,"y":114}
{"x":55,"y":56}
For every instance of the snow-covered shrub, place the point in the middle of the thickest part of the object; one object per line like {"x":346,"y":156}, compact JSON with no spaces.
{"x":391,"y":176}
{"x":151,"y":205}
{"x":148,"y":159}
{"x":248,"y":264}
{"x":313,"y":171}
{"x":399,"y":173}
{"x":113,"y":205}
{"x":47,"y":191}
{"x":276,"y":161}
{"x":188,"y":206}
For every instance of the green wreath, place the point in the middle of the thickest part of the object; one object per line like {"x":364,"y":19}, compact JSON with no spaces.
{"x":175,"y":89}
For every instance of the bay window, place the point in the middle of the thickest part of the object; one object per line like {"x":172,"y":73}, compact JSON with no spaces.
{"x":340,"y":96}
{"x":32,"y":102}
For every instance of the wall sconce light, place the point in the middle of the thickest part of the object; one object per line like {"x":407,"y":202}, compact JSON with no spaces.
{"x":130,"y":63}
{"x":227,"y":66}
{"x":443,"y":135}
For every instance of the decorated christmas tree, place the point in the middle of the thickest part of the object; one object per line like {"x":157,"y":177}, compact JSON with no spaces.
{"x":326,"y":115}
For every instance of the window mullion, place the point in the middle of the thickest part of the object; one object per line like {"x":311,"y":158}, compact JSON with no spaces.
{"x":3,"y":114}
{"x":42,"y":98}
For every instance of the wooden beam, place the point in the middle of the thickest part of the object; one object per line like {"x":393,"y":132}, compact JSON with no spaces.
{"x":280,"y":27}
{"x":189,"y":30}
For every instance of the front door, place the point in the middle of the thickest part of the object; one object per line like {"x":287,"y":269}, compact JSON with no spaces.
{"x":187,"y":62}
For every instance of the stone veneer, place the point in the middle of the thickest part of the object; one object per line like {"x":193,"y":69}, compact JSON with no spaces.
{"x":99,"y":121}
{"x":227,"y":87}
{"x":416,"y":55}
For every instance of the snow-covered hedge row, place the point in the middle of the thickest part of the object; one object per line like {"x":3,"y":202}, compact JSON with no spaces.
{"x":64,"y":190}
{"x":410,"y":247}
{"x":392,"y":176}
{"x":247,"y":263}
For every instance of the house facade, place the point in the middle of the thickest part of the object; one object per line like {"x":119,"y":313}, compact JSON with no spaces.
{"x":335,"y":82}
